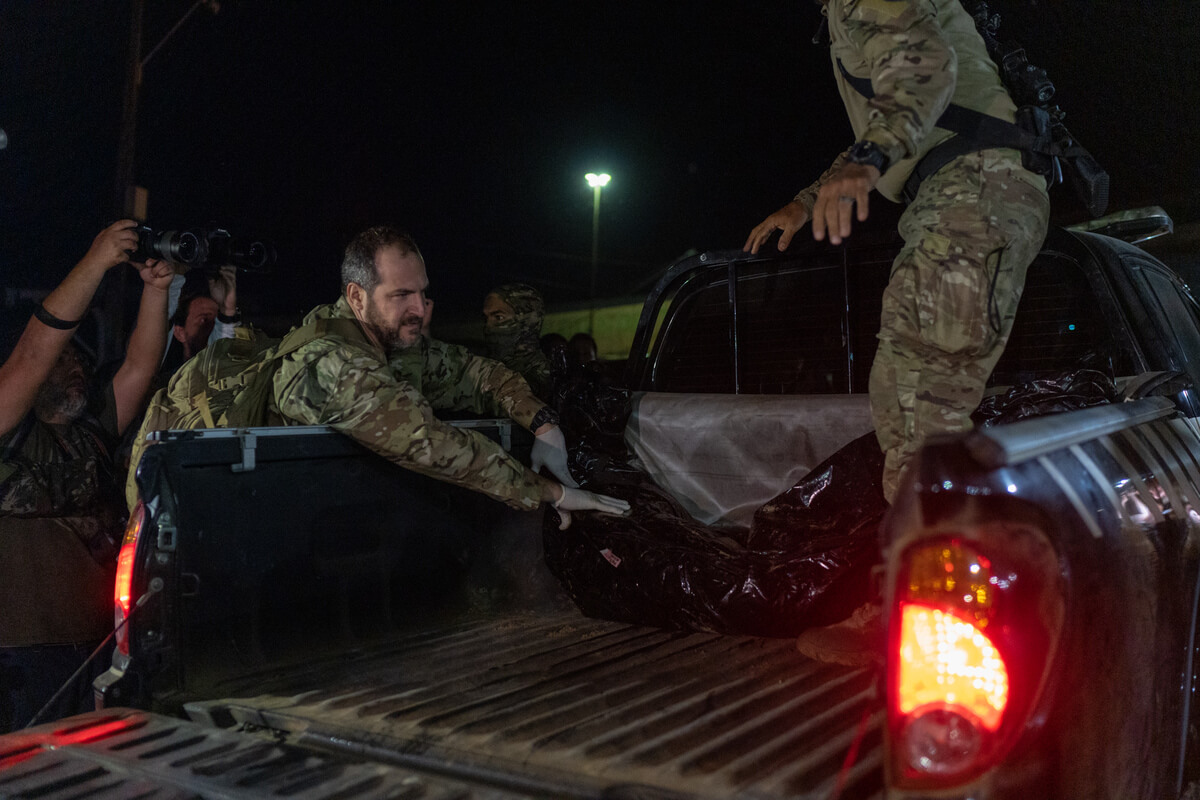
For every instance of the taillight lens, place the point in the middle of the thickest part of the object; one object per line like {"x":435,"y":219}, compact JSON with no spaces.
{"x":123,"y":588}
{"x":970,"y":642}
{"x":945,"y":659}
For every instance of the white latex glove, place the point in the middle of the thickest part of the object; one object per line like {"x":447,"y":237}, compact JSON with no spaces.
{"x":582,"y":500}
{"x":550,"y":451}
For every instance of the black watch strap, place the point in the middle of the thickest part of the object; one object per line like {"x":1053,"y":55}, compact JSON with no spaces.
{"x":546,"y":414}
{"x":230,"y":319}
{"x":864,"y":152}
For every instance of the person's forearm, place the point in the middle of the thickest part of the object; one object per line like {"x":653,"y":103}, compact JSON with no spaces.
{"x":145,"y":351}
{"x":150,"y":332}
{"x":40,"y":344}
{"x":808,"y":196}
{"x":509,"y":392}
{"x":552,"y":492}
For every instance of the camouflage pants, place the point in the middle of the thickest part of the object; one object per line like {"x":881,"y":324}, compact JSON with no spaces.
{"x":970,"y":235}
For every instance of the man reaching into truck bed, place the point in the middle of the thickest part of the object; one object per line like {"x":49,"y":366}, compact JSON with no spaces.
{"x":375,"y":378}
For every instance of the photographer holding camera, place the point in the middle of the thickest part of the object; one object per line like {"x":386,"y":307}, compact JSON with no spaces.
{"x":61,"y":512}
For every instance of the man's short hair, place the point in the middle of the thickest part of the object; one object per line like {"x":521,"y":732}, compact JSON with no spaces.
{"x":358,"y":266}
{"x":179,"y":319}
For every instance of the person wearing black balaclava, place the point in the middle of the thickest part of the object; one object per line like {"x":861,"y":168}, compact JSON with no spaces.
{"x":512,"y":316}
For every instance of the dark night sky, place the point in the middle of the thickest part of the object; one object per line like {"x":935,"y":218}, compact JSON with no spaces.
{"x":472,"y":125}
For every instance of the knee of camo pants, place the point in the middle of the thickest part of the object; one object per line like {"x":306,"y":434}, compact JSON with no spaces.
{"x":970,"y":236}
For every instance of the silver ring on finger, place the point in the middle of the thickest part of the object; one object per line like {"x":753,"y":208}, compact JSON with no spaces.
{"x":845,"y":199}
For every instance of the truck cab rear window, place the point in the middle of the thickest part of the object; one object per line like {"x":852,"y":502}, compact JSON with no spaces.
{"x":811,"y":329}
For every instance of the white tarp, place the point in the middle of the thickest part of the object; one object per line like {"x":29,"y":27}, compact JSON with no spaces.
{"x":722,"y":456}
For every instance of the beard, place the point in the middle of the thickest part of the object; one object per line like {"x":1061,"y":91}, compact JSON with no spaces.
{"x":394,"y":337}
{"x":196,"y":343}
{"x":60,"y":402}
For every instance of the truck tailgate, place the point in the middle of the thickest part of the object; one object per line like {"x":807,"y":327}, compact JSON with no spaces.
{"x":123,"y":753}
{"x":560,"y":705}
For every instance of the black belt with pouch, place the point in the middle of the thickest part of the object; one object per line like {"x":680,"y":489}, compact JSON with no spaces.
{"x":1033,"y":134}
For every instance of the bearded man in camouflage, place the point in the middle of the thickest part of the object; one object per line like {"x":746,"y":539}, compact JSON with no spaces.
{"x":378,"y":380}
{"x":970,"y":230}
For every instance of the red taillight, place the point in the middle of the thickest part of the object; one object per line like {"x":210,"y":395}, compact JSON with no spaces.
{"x":970,"y":641}
{"x":123,"y":588}
{"x":947,"y":661}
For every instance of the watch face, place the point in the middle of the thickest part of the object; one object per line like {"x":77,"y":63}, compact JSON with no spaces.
{"x":867,"y":153}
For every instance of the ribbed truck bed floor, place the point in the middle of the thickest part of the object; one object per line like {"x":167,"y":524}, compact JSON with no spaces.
{"x":559,"y":706}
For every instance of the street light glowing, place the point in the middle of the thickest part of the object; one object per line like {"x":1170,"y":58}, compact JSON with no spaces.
{"x":597,"y":182}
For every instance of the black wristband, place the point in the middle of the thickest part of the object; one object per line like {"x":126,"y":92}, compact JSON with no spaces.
{"x":863,"y":152}
{"x":48,"y":319}
{"x":542,"y":417}
{"x":229,"y":319}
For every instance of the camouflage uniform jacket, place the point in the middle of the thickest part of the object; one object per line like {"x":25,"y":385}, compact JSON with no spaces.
{"x":919,"y":56}
{"x":388,"y":407}
{"x":61,"y":517}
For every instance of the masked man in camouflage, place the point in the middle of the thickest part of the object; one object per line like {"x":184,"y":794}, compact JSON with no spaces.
{"x":375,"y":378}
{"x":971,"y":227}
{"x":61,"y":511}
{"x":512,"y":318}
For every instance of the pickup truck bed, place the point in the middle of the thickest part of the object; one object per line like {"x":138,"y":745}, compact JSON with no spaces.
{"x":312,"y":620}
{"x":566,"y":707}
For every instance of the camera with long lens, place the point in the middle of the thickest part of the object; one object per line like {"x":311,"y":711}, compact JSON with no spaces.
{"x":178,"y":247}
{"x":245,"y":253}
{"x":208,"y":248}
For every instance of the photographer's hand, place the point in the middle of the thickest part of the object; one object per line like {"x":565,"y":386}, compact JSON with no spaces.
{"x":111,"y":246}
{"x":223,"y":288}
{"x":156,"y":274}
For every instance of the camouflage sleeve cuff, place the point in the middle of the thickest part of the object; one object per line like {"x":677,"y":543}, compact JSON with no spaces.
{"x":513,"y":395}
{"x":890,"y":145}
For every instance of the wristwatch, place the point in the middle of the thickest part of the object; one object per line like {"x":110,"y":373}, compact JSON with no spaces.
{"x":868,"y":153}
{"x":546,"y":414}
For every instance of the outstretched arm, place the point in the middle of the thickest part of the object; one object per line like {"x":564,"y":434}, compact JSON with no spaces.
{"x":793,"y":216}
{"x":49,"y":331}
{"x":146,"y":343}
{"x":223,"y":289}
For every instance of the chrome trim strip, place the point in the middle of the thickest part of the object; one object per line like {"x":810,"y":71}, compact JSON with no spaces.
{"x":1157,"y":470}
{"x":1134,"y":476}
{"x":1180,"y":490}
{"x":1102,"y":481}
{"x":1087,"y":515}
{"x":1183,"y":433}
{"x":1029,"y":439}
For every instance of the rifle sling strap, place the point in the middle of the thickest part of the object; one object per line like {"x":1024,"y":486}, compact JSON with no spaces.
{"x":978,"y":131}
